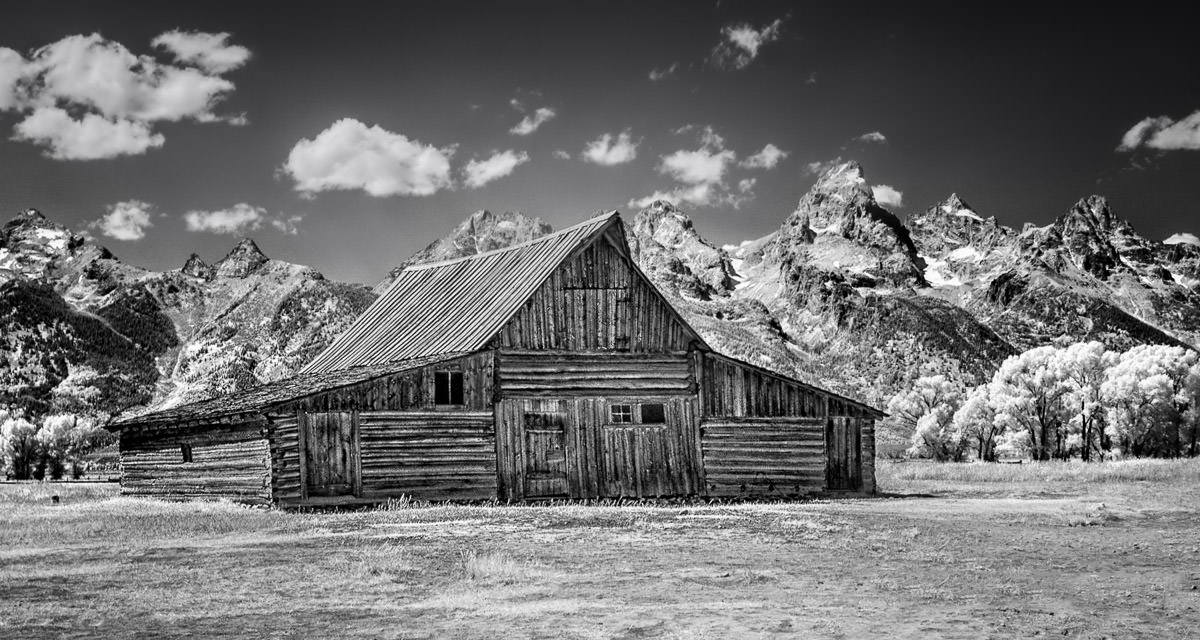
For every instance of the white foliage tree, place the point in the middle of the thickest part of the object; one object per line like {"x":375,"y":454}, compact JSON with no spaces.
{"x":1028,"y":395}
{"x":19,"y":447}
{"x":1083,"y":367}
{"x":1150,"y":395}
{"x":976,"y":421}
{"x":928,"y":410}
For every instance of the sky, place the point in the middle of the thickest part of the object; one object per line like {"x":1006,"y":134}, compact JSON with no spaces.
{"x":348,"y":135}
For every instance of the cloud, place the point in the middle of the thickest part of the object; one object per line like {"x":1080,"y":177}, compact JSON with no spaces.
{"x":1164,"y":134}
{"x":562,"y":154}
{"x":501,"y":163}
{"x":1183,"y":238}
{"x":770,"y":156}
{"x":531,"y":122}
{"x":349,"y":155}
{"x":873,"y":137}
{"x":125,"y":220}
{"x":701,"y":173}
{"x":87,"y":98}
{"x":812,"y":78}
{"x":238,"y":219}
{"x":822,"y":166}
{"x":205,"y":50}
{"x":664,"y":73}
{"x":608,"y":150}
{"x":93,"y":137}
{"x":887,"y":196}
{"x":740,"y":44}
{"x":288,"y":225}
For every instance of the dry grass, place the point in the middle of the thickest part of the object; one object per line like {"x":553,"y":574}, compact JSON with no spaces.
{"x":1076,"y":558}
{"x":1186,"y":470}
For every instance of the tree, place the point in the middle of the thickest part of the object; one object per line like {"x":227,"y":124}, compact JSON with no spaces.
{"x":927,"y":410}
{"x":19,"y":447}
{"x":1082,"y":367}
{"x":65,"y":440}
{"x":976,"y":420}
{"x":1151,"y":394}
{"x":1027,"y":392}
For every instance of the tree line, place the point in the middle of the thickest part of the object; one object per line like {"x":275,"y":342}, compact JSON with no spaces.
{"x":51,"y":448}
{"x":1084,"y":401}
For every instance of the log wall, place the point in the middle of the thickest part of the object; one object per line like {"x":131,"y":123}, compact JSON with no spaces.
{"x":731,"y":389}
{"x":597,"y":301}
{"x":763,"y":456}
{"x":428,"y":455}
{"x":228,"y":461}
{"x":408,"y":390}
{"x":559,"y":374}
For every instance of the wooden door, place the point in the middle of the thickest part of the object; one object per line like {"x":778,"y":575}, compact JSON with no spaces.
{"x":330,"y":453}
{"x":637,"y":460}
{"x":843,"y":467}
{"x":545,"y":454}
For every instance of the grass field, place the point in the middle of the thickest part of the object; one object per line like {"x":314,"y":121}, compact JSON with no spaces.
{"x":970,"y":551}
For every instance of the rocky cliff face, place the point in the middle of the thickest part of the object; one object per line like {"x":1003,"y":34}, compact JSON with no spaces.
{"x":481,"y":231}
{"x":83,"y":331}
{"x":669,"y":249}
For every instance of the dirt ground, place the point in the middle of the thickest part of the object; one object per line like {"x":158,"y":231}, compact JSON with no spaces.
{"x":1097,"y":560}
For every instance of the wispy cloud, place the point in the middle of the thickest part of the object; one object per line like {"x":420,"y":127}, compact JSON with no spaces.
{"x":533,"y":121}
{"x":609,"y":150}
{"x":349,"y":155}
{"x":501,"y":163}
{"x":662,"y":74}
{"x":888,"y":196}
{"x":562,"y":154}
{"x":125,"y":220}
{"x":740,"y":44}
{"x":768,"y":158}
{"x":873,"y":137}
{"x":85,"y":97}
{"x":822,"y":166}
{"x":1164,"y":134}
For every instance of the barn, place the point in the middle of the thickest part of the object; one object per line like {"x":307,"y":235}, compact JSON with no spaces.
{"x":550,"y":369}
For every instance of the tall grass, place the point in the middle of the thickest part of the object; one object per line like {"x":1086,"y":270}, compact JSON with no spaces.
{"x":1187,"y":470}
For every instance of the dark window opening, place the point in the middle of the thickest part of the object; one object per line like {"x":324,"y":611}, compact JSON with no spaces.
{"x":448,"y":387}
{"x":185,"y":450}
{"x":653,"y":413}
{"x":544,"y":420}
{"x":621,"y":413}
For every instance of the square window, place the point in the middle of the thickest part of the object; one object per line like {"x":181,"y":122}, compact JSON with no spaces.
{"x":653,"y":413}
{"x":621,"y":413}
{"x":185,"y":451}
{"x":448,"y":387}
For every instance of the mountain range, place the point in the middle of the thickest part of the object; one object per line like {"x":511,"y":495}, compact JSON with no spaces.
{"x":845,"y":294}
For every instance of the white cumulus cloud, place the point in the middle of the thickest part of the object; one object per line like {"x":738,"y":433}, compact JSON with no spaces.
{"x":531,"y":122}
{"x":349,"y":155}
{"x":768,"y":158}
{"x":240,"y":218}
{"x":740,"y":44}
{"x":1164,"y":134}
{"x":609,"y":150}
{"x":501,"y":163}
{"x":91,"y":137}
{"x":85,"y":97}
{"x":288,"y":225}
{"x":663,"y":73}
{"x":701,"y":175}
{"x":873,"y":136}
{"x":888,"y":196}
{"x":562,"y":154}
{"x":125,"y":220}
{"x":209,"y":51}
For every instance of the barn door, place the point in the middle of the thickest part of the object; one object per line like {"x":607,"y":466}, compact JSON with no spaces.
{"x":843,"y":468}
{"x":330,"y":453}
{"x":545,"y":454}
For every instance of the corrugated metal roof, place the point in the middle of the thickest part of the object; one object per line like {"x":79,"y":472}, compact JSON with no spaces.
{"x":279,"y":392}
{"x":455,"y":305}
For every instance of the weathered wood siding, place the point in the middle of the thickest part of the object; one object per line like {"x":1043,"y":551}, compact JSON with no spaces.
{"x":867,"y":429}
{"x":601,"y":459}
{"x":558,"y":374}
{"x":408,"y":390}
{"x":731,"y":389}
{"x":227,"y":461}
{"x":283,"y":432}
{"x":763,"y":456}
{"x":596,"y":301}
{"x":430,"y":455}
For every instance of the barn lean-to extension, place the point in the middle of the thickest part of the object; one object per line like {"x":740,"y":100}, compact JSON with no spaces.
{"x":550,"y":369}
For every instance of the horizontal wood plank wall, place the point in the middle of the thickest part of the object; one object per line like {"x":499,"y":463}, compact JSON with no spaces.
{"x":866,"y":427}
{"x":558,"y":374}
{"x":408,"y":390}
{"x":228,"y":461}
{"x":283,"y":434}
{"x":595,"y":301}
{"x":429,"y":455}
{"x":763,"y":456}
{"x":603,"y":459}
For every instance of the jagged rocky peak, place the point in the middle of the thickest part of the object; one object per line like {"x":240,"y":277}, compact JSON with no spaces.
{"x":665,"y":243}
{"x":197,"y":267}
{"x":1091,"y":237}
{"x":481,"y":231}
{"x":245,"y":258}
{"x":952,"y":225}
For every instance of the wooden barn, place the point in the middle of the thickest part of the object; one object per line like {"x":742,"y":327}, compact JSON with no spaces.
{"x":550,"y":369}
